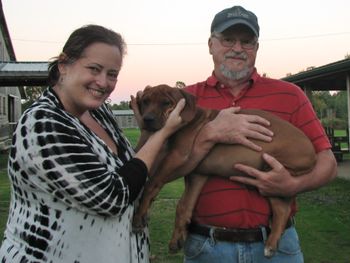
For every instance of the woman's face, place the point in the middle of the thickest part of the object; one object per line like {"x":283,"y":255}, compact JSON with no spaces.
{"x":87,"y":82}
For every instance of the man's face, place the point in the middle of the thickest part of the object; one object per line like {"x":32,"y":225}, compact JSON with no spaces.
{"x":234,"y":52}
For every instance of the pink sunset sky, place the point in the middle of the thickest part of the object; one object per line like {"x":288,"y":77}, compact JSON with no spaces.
{"x":167,"y":40}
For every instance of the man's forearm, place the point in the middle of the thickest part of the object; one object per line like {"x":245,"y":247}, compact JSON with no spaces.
{"x":324,"y":171}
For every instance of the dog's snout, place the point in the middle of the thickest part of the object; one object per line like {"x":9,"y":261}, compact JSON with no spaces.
{"x":149,"y":118}
{"x":150,"y":122}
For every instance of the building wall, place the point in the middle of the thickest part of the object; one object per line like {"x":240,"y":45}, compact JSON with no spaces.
{"x":10,"y":111}
{"x":10,"y":97}
{"x":126,"y":121}
{"x":4,"y":55}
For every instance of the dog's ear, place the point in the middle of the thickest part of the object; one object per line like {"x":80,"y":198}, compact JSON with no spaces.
{"x":139,"y":97}
{"x":189,"y":111}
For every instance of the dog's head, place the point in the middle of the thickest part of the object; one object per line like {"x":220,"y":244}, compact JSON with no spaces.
{"x":156,"y":103}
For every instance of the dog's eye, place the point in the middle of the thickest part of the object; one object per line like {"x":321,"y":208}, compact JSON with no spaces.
{"x":145,"y":102}
{"x":166,"y":103}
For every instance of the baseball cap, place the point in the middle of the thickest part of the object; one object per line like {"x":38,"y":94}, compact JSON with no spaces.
{"x":234,"y":16}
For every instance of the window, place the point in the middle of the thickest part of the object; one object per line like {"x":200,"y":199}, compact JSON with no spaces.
{"x":3,"y":105}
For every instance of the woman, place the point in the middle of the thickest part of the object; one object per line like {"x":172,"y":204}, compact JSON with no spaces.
{"x":75,"y":177}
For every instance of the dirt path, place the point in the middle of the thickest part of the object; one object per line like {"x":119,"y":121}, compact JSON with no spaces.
{"x":344,"y":169}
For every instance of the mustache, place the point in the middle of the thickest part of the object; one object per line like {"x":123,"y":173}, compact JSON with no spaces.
{"x":237,"y":55}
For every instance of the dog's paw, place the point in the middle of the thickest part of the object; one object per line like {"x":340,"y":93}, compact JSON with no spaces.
{"x":177,"y":240}
{"x":139,"y":223}
{"x":269,"y":252}
{"x":176,"y":245}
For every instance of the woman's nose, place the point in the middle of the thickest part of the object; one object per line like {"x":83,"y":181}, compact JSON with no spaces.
{"x":102,"y":80}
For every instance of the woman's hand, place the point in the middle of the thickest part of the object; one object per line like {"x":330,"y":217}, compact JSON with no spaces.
{"x":230,"y":127}
{"x":149,"y":147}
{"x":135,"y":108}
{"x":174,"y":121}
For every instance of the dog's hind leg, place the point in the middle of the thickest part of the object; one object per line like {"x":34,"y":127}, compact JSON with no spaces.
{"x":193,"y":186}
{"x":281,"y":208}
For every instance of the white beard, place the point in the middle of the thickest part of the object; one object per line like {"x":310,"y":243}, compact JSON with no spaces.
{"x":235,"y":75}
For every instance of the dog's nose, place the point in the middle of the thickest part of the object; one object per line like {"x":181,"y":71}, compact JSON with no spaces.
{"x":148,"y":119}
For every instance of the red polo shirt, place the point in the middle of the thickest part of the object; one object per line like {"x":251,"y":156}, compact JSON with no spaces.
{"x":229,"y":204}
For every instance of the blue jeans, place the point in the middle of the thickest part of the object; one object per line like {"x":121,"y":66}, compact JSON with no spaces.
{"x":201,"y":249}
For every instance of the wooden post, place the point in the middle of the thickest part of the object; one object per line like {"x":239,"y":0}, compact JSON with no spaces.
{"x":348,"y":92}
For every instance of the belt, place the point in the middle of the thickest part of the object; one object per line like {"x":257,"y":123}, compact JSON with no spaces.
{"x":233,"y":234}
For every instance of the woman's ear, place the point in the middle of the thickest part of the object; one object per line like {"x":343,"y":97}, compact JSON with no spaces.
{"x":62,"y":61}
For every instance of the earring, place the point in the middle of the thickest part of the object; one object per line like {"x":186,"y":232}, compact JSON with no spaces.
{"x":60,"y":80}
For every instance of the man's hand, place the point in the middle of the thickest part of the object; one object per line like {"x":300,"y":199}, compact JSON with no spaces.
{"x":230,"y":127}
{"x":276,"y":182}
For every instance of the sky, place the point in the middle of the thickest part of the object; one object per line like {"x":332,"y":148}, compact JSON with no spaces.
{"x":167,"y":40}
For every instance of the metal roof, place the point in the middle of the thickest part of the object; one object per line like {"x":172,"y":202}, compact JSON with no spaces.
{"x":328,"y":77}
{"x":23,"y":73}
{"x":123,"y":112}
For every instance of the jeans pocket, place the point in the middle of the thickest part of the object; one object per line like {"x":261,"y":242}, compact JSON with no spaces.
{"x":289,"y":243}
{"x":194,"y":245}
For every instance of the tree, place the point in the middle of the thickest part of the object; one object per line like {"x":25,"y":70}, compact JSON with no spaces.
{"x":33,"y":94}
{"x":340,"y":105}
{"x":331,"y":108}
{"x":123,"y":105}
{"x":319,"y":105}
{"x":180,"y":84}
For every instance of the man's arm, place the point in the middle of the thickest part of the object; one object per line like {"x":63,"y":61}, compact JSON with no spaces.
{"x":230,"y":127}
{"x":279,"y":182}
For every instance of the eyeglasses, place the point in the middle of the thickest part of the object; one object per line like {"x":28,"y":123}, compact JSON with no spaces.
{"x":228,"y":41}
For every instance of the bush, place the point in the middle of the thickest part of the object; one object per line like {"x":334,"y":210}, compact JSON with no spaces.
{"x":335,"y":123}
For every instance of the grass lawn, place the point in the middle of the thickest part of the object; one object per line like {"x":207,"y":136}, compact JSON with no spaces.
{"x":322,"y":220}
{"x":4,"y":193}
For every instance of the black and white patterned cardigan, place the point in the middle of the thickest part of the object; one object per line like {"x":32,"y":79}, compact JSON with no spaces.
{"x":71,"y":197}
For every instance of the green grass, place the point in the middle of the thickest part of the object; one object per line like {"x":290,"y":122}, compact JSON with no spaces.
{"x":339,"y":133}
{"x":162,"y":216}
{"x":322,"y":220}
{"x":4,"y":193}
{"x":323,"y":223}
{"x":133,"y":135}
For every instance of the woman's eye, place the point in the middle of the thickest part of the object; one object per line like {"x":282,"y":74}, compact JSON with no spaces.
{"x":113,"y":75}
{"x":94,"y":69}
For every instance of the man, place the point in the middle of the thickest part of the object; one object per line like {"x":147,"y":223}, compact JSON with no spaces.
{"x":234,"y":204}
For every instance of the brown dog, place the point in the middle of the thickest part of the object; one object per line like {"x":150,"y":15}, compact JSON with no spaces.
{"x":289,"y":146}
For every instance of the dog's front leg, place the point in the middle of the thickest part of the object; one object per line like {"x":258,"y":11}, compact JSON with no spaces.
{"x":193,"y":186}
{"x":167,"y":168}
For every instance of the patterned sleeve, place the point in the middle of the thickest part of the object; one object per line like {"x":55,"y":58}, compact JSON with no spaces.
{"x":58,"y":158}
